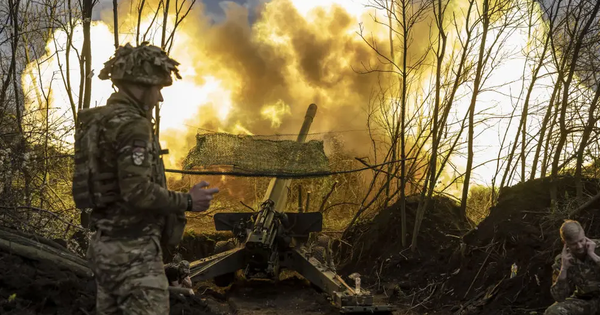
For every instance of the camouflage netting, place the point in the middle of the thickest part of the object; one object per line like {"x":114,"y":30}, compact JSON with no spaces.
{"x":144,"y":64}
{"x":257,"y":155}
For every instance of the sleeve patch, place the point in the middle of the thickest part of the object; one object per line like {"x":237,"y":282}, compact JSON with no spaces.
{"x":138,"y":155}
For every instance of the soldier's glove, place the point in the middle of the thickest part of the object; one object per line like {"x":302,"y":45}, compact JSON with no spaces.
{"x":202,"y":196}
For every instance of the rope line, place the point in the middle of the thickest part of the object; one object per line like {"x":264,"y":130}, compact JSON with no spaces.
{"x":280,"y":175}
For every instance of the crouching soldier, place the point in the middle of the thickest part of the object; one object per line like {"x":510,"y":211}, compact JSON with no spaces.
{"x":576,"y":273}
{"x":178,"y":273}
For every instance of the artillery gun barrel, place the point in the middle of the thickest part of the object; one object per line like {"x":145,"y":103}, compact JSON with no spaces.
{"x":278,"y":187}
{"x":308,"y":119}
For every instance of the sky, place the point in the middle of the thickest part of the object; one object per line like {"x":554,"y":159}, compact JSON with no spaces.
{"x":256,"y":76}
{"x":214,"y":8}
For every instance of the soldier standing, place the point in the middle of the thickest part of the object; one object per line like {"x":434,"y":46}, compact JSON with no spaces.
{"x":120,"y":176}
{"x":576,"y":288}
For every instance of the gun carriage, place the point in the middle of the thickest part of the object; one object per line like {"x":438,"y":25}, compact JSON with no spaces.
{"x":270,"y":240}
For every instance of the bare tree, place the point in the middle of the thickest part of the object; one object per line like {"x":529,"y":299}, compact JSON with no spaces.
{"x":439,"y":11}
{"x":406,"y":22}
{"x":588,"y":70}
{"x":86,"y":54}
{"x":585,"y":138}
{"x":40,"y":36}
{"x":403,"y":17}
{"x":14,"y":46}
{"x":485,"y":15}
{"x":67,"y":25}
{"x":181,"y":12}
{"x":591,"y":16}
{"x":504,"y":12}
{"x":521,"y":133}
{"x":116,"y":23}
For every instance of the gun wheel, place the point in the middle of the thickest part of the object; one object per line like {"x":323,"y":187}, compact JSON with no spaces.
{"x":228,"y":278}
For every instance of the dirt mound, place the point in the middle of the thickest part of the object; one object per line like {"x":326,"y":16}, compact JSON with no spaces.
{"x":520,"y":230}
{"x":31,"y":287}
{"x":523,"y":204}
{"x":472,"y":274}
{"x":35,"y":287}
{"x":386,"y":265}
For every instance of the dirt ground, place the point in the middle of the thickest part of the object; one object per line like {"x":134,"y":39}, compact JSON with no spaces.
{"x":291,"y":296}
{"x":33,"y":287}
{"x":410,"y":280}
{"x":456,"y":270}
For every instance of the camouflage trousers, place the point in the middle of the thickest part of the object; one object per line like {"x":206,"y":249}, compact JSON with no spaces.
{"x":130,"y":276}
{"x":574,"y":306}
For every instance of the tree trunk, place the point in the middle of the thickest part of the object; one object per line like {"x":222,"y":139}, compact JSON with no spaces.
{"x":87,"y":53}
{"x":442,"y":40}
{"x":116,"y":23}
{"x":541,"y":139}
{"x":476,"y":87}
{"x":591,"y":122}
{"x":522,"y":129}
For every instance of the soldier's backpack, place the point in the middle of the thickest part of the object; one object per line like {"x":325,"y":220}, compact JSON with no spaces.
{"x":92,"y":188}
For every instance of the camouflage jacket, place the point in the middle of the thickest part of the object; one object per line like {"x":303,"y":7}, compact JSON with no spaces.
{"x":583,"y":278}
{"x":131,"y":150}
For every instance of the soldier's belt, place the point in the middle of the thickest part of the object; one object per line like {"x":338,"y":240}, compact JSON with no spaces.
{"x":131,"y":231}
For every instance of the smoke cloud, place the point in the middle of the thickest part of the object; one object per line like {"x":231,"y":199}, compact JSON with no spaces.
{"x":271,"y":70}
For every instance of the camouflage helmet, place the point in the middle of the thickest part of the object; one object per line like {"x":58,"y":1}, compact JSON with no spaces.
{"x":184,"y":267}
{"x":145,"y":64}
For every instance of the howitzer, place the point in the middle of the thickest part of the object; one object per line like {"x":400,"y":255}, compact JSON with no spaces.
{"x":269,"y":240}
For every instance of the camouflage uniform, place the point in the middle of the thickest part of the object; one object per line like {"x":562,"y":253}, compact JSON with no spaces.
{"x":125,"y":253}
{"x":580,"y":293}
